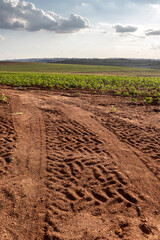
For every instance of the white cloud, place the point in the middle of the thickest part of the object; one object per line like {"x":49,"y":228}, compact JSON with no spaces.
{"x":125,"y":29}
{"x":85,"y":4}
{"x":155,"y":47}
{"x":152,"y":32}
{"x":104,"y":28}
{"x":16,"y":15}
{"x":1,"y":37}
{"x":155,"y":7}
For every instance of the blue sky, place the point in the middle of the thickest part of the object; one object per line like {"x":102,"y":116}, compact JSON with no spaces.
{"x":79,"y":28}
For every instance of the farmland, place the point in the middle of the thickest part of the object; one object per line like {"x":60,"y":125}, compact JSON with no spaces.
{"x":75,"y":68}
{"x":79,"y":154}
{"x":147,"y":88}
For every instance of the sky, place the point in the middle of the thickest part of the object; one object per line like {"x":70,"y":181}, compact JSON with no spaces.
{"x":79,"y":28}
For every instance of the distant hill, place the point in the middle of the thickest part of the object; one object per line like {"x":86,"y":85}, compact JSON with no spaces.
{"x":39,"y":60}
{"x":123,"y":62}
{"x":141,"y":63}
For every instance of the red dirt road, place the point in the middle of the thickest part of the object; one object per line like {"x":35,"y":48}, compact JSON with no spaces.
{"x":71,"y":169}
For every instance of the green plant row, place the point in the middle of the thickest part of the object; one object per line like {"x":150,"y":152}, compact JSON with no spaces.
{"x":120,"y":85}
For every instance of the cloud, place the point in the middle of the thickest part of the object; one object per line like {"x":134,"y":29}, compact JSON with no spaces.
{"x":145,"y":1}
{"x":1,"y":37}
{"x":152,"y":32}
{"x":155,"y":47}
{"x":16,"y":15}
{"x":125,"y":29}
{"x":85,"y":4}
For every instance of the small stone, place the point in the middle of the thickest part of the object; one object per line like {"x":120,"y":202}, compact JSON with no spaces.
{"x":123,"y":224}
{"x":119,"y":232}
{"x":145,"y":228}
{"x":156,"y":212}
{"x":139,"y":210}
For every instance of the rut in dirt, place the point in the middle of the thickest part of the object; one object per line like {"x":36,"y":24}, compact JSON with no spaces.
{"x":81,"y":175}
{"x":144,"y":139}
{"x":7,"y":140}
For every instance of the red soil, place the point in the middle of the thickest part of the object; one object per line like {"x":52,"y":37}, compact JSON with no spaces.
{"x":71,"y":169}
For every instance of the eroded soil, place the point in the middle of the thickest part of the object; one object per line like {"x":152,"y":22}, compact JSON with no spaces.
{"x":72,"y":167}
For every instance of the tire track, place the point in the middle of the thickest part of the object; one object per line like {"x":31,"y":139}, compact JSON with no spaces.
{"x":146,"y":140}
{"x":21,"y":193}
{"x":7,"y":140}
{"x":80,"y":174}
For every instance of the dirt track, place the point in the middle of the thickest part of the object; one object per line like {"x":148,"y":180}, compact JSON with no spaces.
{"x":72,"y":170}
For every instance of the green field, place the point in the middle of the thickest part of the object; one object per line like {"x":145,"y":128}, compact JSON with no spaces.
{"x":73,"y":68}
{"x":127,"y":82}
{"x":126,"y":86}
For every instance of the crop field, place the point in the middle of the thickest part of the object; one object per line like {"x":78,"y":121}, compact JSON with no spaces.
{"x":75,"y":68}
{"x":147,"y":88}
